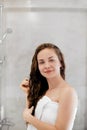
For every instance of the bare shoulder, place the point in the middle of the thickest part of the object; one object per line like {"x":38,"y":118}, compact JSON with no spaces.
{"x":70,"y":91}
{"x":69,"y":94}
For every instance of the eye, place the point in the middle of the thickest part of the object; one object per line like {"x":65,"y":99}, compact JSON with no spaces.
{"x":41,"y":62}
{"x":51,"y":60}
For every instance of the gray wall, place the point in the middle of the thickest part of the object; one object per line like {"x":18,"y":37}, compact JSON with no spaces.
{"x":64,"y":24}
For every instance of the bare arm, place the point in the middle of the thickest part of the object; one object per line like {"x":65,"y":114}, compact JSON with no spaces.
{"x":67,"y":110}
{"x":25,"y":87}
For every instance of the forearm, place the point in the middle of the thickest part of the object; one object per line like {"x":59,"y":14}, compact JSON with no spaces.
{"x":40,"y":125}
{"x":26,"y":101}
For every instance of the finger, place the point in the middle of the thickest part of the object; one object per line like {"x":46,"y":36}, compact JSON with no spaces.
{"x":27,"y":79}
{"x":31,"y":109}
{"x":25,"y":83}
{"x":25,"y":113}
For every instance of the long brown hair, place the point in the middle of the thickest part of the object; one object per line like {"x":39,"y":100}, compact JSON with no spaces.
{"x":37,"y":83}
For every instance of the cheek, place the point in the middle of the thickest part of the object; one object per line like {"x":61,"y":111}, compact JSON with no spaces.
{"x":57,"y":68}
{"x":40,"y":68}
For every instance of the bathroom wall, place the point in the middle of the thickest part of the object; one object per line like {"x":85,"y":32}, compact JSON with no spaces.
{"x":61,"y":22}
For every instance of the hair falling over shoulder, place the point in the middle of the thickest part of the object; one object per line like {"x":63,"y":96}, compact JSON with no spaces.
{"x":37,"y":83}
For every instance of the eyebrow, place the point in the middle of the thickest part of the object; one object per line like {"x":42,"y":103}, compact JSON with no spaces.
{"x":50,"y":57}
{"x":43,"y":59}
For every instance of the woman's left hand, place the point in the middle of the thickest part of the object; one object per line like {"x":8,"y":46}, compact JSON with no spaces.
{"x":27,"y":114}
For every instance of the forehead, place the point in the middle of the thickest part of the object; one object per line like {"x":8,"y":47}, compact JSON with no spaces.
{"x":46,"y":53}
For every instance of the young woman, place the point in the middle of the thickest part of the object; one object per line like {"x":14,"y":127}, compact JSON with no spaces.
{"x":51,"y":103}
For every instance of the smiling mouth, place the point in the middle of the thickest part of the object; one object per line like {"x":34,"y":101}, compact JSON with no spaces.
{"x":48,"y":71}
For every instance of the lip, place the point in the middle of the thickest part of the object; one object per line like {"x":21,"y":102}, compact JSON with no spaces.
{"x":48,"y":71}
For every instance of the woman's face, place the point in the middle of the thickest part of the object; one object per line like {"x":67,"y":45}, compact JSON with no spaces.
{"x":48,"y":63}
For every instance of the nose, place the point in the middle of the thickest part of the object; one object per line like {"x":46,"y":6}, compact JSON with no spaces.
{"x":47,"y":65}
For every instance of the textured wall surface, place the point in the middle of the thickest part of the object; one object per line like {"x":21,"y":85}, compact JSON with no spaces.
{"x":55,"y":22}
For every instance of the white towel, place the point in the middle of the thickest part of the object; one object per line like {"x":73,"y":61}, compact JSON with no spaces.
{"x":46,"y":110}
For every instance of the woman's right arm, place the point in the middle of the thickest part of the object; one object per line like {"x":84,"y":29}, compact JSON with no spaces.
{"x":25,"y":87}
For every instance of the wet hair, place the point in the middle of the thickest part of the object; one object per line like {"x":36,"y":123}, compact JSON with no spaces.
{"x":37,"y":83}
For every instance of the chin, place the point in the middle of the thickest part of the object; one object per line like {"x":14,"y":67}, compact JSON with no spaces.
{"x":50,"y":76}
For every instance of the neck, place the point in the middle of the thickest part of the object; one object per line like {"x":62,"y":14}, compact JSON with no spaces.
{"x":55,"y":82}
